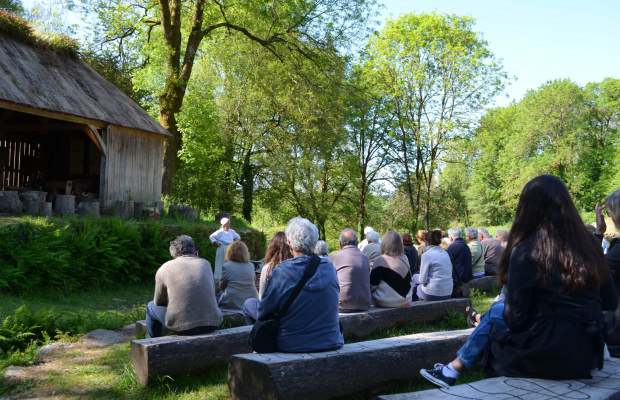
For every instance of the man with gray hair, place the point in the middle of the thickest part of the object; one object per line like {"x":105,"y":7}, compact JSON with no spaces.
{"x":460,"y":255}
{"x":492,"y":250}
{"x":321,"y":249}
{"x":502,"y":237}
{"x":365,"y":242}
{"x":477,"y":253}
{"x":353,"y":269}
{"x":184,"y":300}
{"x":311,"y":322}
{"x":373,"y":248}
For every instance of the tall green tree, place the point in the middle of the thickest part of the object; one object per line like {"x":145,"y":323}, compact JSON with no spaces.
{"x":438,"y":75}
{"x":560,"y":129}
{"x":369,"y":125}
{"x":171,"y":33}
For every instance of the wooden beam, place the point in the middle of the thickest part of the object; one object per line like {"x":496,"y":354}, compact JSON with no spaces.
{"x":42,"y":127}
{"x":357,"y":370}
{"x":50,"y":114}
{"x":94,"y":135}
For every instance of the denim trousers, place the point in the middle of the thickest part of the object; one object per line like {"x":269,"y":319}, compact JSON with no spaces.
{"x":471,"y":352}
{"x":155,"y":319}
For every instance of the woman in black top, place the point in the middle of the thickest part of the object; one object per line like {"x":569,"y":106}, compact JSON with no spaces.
{"x":550,"y":324}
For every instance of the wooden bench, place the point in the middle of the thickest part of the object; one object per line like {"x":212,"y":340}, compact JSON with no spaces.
{"x":484,"y":283}
{"x":357,"y":369}
{"x":171,"y":355}
{"x":604,"y":385}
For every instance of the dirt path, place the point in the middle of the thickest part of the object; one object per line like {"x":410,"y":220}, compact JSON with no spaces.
{"x":59,"y":363}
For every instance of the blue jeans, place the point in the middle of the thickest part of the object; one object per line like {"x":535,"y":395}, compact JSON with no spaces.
{"x":471,"y":352}
{"x":156,"y":320}
{"x":250,"y":310}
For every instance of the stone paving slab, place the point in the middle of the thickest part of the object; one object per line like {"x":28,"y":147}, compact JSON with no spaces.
{"x":604,"y":385}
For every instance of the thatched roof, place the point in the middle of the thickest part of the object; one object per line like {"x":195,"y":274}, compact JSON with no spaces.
{"x":41,"y":79}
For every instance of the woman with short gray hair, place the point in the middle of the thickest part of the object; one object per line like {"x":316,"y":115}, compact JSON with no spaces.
{"x":311,"y":323}
{"x":390,"y":277}
{"x":302,"y":235}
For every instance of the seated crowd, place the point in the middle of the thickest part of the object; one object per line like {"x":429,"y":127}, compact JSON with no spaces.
{"x":552,"y":268}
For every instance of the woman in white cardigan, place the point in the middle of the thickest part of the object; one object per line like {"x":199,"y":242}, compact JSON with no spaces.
{"x":434,"y":282}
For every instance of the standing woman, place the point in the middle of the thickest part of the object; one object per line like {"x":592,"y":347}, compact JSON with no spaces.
{"x":222,"y":238}
{"x":550,"y":324}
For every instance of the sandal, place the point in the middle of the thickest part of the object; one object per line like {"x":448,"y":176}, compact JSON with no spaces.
{"x":471,"y":315}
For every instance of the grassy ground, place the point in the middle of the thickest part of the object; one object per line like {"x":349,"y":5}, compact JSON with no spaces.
{"x":81,"y":372}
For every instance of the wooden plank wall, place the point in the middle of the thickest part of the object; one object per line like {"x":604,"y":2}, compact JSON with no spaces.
{"x":18,"y":163}
{"x":133,"y":165}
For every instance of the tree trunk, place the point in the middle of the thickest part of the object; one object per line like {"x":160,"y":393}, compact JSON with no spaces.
{"x":247,"y":183}
{"x":171,"y":102}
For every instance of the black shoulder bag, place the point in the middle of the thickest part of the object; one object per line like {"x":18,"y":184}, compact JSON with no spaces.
{"x":264,"y":335}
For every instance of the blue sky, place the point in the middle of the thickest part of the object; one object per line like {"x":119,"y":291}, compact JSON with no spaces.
{"x":538,"y":40}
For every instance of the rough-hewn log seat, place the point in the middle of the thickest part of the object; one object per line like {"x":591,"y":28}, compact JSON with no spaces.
{"x":171,"y":355}
{"x":604,"y":385}
{"x":484,"y":283}
{"x":357,"y":369}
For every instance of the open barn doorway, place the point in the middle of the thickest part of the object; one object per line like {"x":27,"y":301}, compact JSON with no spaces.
{"x":51,"y":155}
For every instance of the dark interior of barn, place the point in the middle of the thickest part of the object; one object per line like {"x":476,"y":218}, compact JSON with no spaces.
{"x":45,"y":154}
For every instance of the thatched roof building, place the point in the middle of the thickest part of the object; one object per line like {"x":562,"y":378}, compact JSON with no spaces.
{"x":60,"y":121}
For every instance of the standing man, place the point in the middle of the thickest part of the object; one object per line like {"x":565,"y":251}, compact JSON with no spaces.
{"x":492,"y":251}
{"x":460,"y":255}
{"x":353,"y":270}
{"x":184,"y":298}
{"x":222,"y":238}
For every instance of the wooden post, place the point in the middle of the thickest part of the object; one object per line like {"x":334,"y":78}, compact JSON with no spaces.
{"x":123,"y":209}
{"x":47,"y":209}
{"x":89,"y":209}
{"x":34,"y":207}
{"x":138,"y":208}
{"x":10,"y":203}
{"x":64,"y":204}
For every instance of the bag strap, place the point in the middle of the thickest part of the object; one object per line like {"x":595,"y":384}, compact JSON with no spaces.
{"x":308,"y":273}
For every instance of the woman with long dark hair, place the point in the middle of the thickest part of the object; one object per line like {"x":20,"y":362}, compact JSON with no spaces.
{"x":278,"y":250}
{"x":550,"y":324}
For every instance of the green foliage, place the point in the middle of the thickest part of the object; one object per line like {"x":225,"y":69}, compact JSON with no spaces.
{"x":79,"y":254}
{"x":560,"y":129}
{"x":14,"y":6}
{"x":437,"y":74}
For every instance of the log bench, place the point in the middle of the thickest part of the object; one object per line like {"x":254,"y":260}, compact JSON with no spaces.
{"x":171,"y":355}
{"x":483,"y":284}
{"x":356,"y":369}
{"x":604,"y":385}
